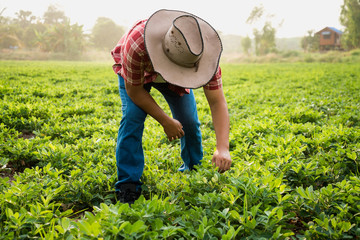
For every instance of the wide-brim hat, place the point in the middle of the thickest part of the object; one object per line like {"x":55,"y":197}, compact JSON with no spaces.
{"x":183,"y":48}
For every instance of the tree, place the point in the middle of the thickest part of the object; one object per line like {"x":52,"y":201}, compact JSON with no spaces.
{"x":24,"y":18}
{"x":246,"y":44}
{"x":54,"y":16}
{"x":19,"y":32}
{"x":53,"y":34}
{"x":25,"y":28}
{"x":8,"y":36}
{"x":58,"y":35}
{"x":8,"y":32}
{"x":63,"y":37}
{"x":350,"y":18}
{"x":255,"y":14}
{"x":264,"y":38}
{"x":106,"y":33}
{"x":310,"y":42}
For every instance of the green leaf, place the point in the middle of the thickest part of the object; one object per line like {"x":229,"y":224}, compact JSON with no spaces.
{"x":85,"y":227}
{"x":95,"y":229}
{"x":60,"y":229}
{"x":280,"y":214}
{"x":301,"y":191}
{"x":9,"y":212}
{"x":235,"y":215}
{"x":351,"y":155}
{"x":65,"y":223}
{"x":138,"y":226}
{"x":254,"y":209}
{"x":333,"y":223}
{"x":157,"y":224}
{"x":230,"y":234}
{"x":277,"y":233}
{"x":123,"y":225}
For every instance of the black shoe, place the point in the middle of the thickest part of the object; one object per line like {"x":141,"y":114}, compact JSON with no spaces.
{"x":128,"y":193}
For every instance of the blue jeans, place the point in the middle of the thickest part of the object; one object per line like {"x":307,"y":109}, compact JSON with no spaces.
{"x":129,"y":151}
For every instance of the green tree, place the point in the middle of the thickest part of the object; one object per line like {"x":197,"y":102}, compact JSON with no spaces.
{"x":19,"y":31}
{"x":62,"y":37}
{"x":255,"y":14}
{"x":105,"y":33}
{"x":264,"y":38}
{"x":246,"y":44}
{"x":8,"y":32}
{"x":24,"y":18}
{"x":29,"y":38}
{"x":8,"y":36}
{"x":310,"y":42}
{"x":58,"y":35}
{"x":53,"y":34}
{"x":24,"y":24}
{"x":350,"y":18}
{"x":54,"y":16}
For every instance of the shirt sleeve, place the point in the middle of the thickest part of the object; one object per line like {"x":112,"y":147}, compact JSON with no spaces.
{"x":116,"y":55}
{"x":133,"y":60}
{"x":215,"y":82}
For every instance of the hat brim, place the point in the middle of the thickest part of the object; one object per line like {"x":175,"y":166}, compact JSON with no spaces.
{"x":155,"y":29}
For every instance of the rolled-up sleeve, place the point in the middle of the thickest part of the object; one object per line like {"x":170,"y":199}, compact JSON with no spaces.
{"x":215,"y":82}
{"x":130,"y":55}
{"x":133,"y":64}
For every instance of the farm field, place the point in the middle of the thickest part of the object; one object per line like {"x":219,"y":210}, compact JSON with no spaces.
{"x":294,"y":140}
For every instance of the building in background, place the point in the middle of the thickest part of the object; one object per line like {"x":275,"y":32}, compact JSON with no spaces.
{"x":330,"y":39}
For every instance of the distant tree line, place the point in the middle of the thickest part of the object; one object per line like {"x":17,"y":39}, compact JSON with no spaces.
{"x":53,"y":32}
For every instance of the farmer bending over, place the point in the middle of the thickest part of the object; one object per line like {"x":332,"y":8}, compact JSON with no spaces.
{"x":173,"y":52}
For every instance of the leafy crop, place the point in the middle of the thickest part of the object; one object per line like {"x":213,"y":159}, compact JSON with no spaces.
{"x":294,"y":141}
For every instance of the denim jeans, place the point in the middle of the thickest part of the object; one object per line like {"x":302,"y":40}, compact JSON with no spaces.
{"x":129,"y":151}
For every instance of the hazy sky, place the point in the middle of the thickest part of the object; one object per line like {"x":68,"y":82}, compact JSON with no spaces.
{"x":295,"y":17}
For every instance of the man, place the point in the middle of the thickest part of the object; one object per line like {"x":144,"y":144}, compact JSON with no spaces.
{"x":174,"y":52}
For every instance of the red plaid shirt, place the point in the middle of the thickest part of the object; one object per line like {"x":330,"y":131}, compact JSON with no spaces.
{"x":133,"y":63}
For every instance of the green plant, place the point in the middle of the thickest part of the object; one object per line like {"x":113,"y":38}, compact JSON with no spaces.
{"x":294,"y":142}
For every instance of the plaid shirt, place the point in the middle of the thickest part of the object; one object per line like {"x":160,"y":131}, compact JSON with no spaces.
{"x":133,"y":63}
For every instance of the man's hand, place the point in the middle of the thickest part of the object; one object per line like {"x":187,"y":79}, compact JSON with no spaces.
{"x":222,"y":160}
{"x":173,"y":129}
{"x":146,"y":102}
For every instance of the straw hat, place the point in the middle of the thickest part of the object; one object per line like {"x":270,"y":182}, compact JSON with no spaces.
{"x":184,"y":49}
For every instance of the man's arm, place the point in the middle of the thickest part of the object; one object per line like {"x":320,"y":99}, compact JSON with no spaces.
{"x":145,"y":101}
{"x":220,"y":117}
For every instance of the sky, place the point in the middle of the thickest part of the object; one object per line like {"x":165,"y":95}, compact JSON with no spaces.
{"x":291,"y":18}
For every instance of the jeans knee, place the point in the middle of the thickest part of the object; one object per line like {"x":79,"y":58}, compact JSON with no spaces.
{"x":192,"y":128}
{"x":191,"y":121}
{"x":133,"y":113}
